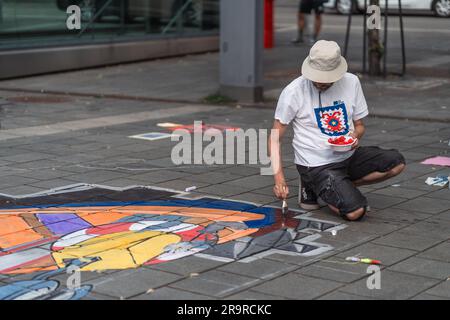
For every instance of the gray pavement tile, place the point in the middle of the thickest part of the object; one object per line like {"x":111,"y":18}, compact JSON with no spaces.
{"x":290,"y":259}
{"x":426,"y":205}
{"x":50,"y":184}
{"x":132,"y":282}
{"x":215,"y":283}
{"x":46,"y":174}
{"x":411,"y":156}
{"x":96,"y":296}
{"x":387,"y":255}
{"x":27,"y":157}
{"x":394,"y":285}
{"x":296,"y":286}
{"x":420,"y":168}
{"x":379,"y":201}
{"x":441,"y":290}
{"x":96,"y":176}
{"x":158,"y":176}
{"x":443,"y":216}
{"x":253,"y":295}
{"x":258,"y":199}
{"x":399,"y":215}
{"x":15,"y":181}
{"x":426,"y":296}
{"x":224,"y":190}
{"x":261,"y":268}
{"x":443,"y":193}
{"x":180,"y":184}
{"x":423,"y":267}
{"x":20,"y":190}
{"x":256,"y":181}
{"x":123,"y":182}
{"x":407,"y":241}
{"x":370,"y":225}
{"x":440,"y":252}
{"x":437,"y":229}
{"x":418,"y":184}
{"x":167,"y":293}
{"x":187,"y":265}
{"x":335,"y":269}
{"x":214,"y":177}
{"x":400,"y":192}
{"x":241,"y":170}
{"x":339,"y":295}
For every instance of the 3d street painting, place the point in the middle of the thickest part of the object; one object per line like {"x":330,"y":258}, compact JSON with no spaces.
{"x":98,"y":228}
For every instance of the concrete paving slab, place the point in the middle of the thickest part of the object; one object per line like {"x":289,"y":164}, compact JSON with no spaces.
{"x":440,"y":252}
{"x":394,"y":285}
{"x":423,"y":267}
{"x":124,"y":284}
{"x":296,"y":286}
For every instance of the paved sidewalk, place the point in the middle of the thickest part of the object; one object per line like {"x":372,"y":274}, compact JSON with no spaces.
{"x":408,"y":228}
{"x":422,"y":94}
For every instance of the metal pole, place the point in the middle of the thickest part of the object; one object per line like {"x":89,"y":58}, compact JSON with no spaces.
{"x":349,"y":22}
{"x":402,"y":38}
{"x":386,"y":8}
{"x":365,"y":37}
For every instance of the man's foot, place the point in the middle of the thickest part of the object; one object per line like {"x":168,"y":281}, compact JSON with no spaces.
{"x":308,"y":199}
{"x":297,"y":40}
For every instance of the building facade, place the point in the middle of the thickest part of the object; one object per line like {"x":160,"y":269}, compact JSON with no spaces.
{"x":39,"y":36}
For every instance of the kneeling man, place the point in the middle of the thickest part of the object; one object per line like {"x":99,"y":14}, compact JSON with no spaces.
{"x":328,"y":102}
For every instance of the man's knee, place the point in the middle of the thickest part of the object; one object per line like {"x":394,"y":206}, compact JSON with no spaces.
{"x":356,"y":215}
{"x":396,"y":170}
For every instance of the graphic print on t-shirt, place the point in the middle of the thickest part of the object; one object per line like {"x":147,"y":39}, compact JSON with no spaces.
{"x":332,"y":120}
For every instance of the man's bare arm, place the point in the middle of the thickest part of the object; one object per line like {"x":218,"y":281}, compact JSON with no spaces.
{"x":280,"y":189}
{"x":358,"y":132}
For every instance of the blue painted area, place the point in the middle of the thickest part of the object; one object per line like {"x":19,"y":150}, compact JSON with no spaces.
{"x":33,"y":288}
{"x":269,"y":213}
{"x":269,"y":217}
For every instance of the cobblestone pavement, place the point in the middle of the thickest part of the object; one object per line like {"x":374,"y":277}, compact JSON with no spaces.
{"x":48,"y":144}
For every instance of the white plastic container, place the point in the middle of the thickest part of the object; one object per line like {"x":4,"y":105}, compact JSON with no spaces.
{"x":342,"y":148}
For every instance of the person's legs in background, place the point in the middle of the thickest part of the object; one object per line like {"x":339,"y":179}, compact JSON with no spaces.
{"x":317,"y":26}
{"x":318,"y":10}
{"x":305,"y":7}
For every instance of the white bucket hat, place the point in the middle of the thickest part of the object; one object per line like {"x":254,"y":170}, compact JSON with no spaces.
{"x":324,"y":63}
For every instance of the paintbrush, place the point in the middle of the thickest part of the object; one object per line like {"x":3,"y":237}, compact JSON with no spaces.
{"x":284,"y":207}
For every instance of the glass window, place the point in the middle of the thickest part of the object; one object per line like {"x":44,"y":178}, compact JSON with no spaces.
{"x":42,"y":23}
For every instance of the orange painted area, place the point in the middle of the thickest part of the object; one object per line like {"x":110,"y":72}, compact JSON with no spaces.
{"x":236,"y":235}
{"x":113,"y":212}
{"x":104,"y":217}
{"x":18,"y":238}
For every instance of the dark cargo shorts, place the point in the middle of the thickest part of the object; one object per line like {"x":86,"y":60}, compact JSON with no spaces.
{"x":306,"y":6}
{"x":333,"y":183}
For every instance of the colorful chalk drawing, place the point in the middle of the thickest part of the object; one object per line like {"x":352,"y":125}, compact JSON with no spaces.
{"x":98,"y":228}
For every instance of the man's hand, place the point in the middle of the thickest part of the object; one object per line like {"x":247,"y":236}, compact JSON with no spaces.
{"x":281,"y":190}
{"x":355,"y":137}
{"x":358,"y":132}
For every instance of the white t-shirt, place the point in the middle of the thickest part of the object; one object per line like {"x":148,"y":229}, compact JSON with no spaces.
{"x":316,"y":120}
